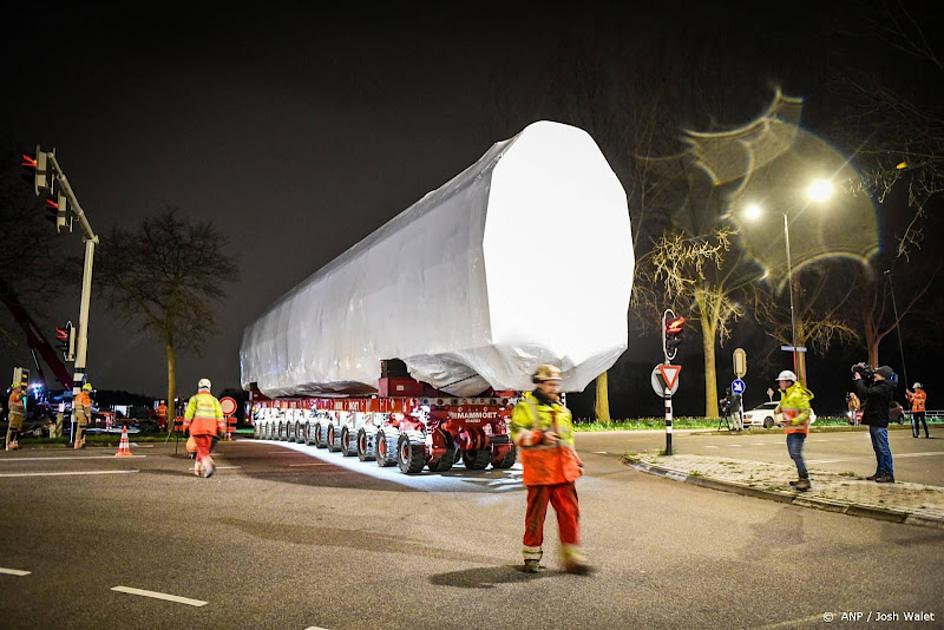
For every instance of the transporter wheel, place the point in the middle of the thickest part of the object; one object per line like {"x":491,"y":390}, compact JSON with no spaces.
{"x":508,"y":460}
{"x":386,"y":449}
{"x":365,"y":448}
{"x":410,"y":457}
{"x":446,"y":462}
{"x":477,"y":459}
{"x":332,"y":444}
{"x":768,"y":422}
{"x":348,"y":446}
{"x":280,"y":432}
{"x":310,"y":438}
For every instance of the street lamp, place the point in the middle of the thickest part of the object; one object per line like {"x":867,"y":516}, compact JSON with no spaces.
{"x":819,"y":191}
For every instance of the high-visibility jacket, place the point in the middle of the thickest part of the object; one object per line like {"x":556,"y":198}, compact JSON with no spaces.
{"x":795,"y":407}
{"x":204,"y":414}
{"x":917,"y":399}
{"x":544,"y":464}
{"x":83,"y":408}
{"x":17,"y":406}
{"x":162,"y":411}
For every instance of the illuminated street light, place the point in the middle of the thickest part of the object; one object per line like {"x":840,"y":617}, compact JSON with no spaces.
{"x":753,"y":212}
{"x":820,"y":190}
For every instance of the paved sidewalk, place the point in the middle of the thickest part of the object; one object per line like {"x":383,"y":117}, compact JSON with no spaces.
{"x":902,"y":502}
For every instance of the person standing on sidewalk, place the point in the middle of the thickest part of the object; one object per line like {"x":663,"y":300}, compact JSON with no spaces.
{"x":542,"y":429}
{"x":204,"y":417}
{"x":795,"y":407}
{"x":918,"y":399}
{"x":16,"y":415}
{"x":877,"y":394}
{"x":82,"y":408}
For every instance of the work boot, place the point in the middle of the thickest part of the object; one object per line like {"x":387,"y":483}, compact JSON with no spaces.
{"x":886,"y":478}
{"x":531,"y":566}
{"x":578,"y":567}
{"x":802,"y":484}
{"x":208,"y":468}
{"x":873,"y":477}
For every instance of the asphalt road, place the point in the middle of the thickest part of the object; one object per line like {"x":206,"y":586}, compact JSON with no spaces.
{"x":286,"y":537}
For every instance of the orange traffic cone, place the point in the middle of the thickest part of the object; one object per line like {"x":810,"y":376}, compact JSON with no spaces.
{"x":124,"y":447}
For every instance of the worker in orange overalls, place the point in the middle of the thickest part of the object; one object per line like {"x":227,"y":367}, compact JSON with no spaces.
{"x":82,"y":410}
{"x":918,"y":398}
{"x":204,"y":417}
{"x":542,"y":429}
{"x":162,"y":416}
{"x":16,"y":415}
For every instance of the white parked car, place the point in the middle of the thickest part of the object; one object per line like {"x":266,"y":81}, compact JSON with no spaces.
{"x":764,"y":416}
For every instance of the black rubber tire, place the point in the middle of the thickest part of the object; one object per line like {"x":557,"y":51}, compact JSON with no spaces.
{"x":508,"y":461}
{"x":348,"y":446}
{"x":333,"y":446}
{"x":386,"y":449}
{"x":366,"y":446}
{"x":768,"y":422}
{"x":477,"y":459}
{"x":307,"y":433}
{"x":411,"y":458}
{"x":448,"y":460}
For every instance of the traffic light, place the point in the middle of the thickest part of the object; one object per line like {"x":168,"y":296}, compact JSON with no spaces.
{"x":674,"y":334}
{"x":57,"y":211}
{"x":65,"y":340}
{"x":35,"y":171}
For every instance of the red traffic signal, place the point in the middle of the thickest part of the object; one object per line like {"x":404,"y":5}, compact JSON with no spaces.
{"x":674,"y":326}
{"x":62,"y":334}
{"x":34,"y":170}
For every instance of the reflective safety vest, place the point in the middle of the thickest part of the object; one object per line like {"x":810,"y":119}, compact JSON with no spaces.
{"x":544,"y":464}
{"x":204,"y":414}
{"x":917,"y":399}
{"x":82,"y":406}
{"x":795,"y":406}
{"x":17,"y":406}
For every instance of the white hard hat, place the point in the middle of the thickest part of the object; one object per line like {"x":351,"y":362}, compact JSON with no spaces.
{"x":787,"y":375}
{"x":917,"y":386}
{"x":204,"y":383}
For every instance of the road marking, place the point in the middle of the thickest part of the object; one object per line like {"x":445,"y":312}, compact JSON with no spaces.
{"x":62,"y":474}
{"x":15,"y":572}
{"x":896,"y":456}
{"x":315,"y":628}
{"x":709,"y":446}
{"x":225,"y":467}
{"x":156,"y":595}
{"x":734,"y":445}
{"x":70,"y":459}
{"x":600,"y":453}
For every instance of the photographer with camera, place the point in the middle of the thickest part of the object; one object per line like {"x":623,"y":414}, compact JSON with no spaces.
{"x":873,"y":387}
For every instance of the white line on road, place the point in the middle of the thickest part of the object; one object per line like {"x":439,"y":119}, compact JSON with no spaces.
{"x":734,"y":445}
{"x":315,"y":628}
{"x":709,"y":446}
{"x":600,"y":453}
{"x":61,"y":474}
{"x":65,"y":459}
{"x":225,"y":467}
{"x":896,"y":456}
{"x":156,"y":595}
{"x":15,"y":572}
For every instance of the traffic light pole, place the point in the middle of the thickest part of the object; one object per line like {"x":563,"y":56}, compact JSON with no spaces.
{"x":91,"y":240}
{"x":667,"y":392}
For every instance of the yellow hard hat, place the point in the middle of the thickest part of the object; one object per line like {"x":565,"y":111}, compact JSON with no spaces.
{"x":87,"y":387}
{"x":546,"y":372}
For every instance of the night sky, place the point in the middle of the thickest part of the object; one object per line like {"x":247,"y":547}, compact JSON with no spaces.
{"x":299,"y":131}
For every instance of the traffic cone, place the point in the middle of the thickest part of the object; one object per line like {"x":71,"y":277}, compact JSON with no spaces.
{"x":124,"y":447}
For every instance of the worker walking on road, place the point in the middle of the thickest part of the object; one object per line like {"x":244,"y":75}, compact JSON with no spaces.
{"x":204,"y":417}
{"x":542,"y":429}
{"x":16,"y":415}
{"x":918,"y":399}
{"x":795,"y":407}
{"x":82,"y":410}
{"x":162,"y":416}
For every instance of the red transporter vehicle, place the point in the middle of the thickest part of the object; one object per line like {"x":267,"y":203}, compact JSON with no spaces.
{"x":415,"y":428}
{"x":457,"y":299}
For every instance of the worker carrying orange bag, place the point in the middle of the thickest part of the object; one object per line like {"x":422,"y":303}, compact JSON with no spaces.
{"x":542,"y":429}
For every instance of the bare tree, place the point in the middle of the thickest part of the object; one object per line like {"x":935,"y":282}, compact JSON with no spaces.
{"x":166,"y":277}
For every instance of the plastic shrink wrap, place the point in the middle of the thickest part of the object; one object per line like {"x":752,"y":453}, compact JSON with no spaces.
{"x":523,"y":258}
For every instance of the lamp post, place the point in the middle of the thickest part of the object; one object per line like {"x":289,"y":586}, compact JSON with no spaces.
{"x":818,"y":191}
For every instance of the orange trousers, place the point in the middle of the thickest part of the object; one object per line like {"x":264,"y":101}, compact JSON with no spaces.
{"x":563,"y":497}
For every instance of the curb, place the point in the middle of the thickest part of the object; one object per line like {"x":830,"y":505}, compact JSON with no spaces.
{"x":827,"y":505}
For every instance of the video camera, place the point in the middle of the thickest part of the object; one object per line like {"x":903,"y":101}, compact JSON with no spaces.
{"x":864,"y":370}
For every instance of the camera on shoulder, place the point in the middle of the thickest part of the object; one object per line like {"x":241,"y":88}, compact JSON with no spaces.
{"x":864,"y":370}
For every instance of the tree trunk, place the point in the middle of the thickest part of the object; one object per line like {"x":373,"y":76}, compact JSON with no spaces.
{"x":800,"y":365}
{"x":602,"y":405}
{"x":171,"y":383}
{"x":711,"y":376}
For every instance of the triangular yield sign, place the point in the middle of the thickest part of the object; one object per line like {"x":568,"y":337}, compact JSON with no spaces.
{"x":670,"y":374}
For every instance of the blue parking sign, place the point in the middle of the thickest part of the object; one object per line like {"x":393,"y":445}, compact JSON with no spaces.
{"x":738,"y":386}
